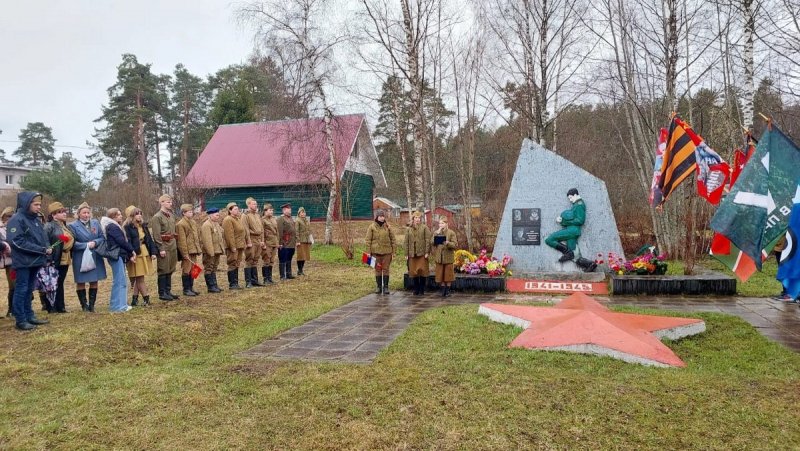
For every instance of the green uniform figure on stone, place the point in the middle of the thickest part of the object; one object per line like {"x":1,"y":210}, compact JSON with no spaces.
{"x":566,"y":239}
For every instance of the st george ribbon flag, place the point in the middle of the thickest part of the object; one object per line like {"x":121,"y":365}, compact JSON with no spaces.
{"x":789,"y":269}
{"x":755,"y":214}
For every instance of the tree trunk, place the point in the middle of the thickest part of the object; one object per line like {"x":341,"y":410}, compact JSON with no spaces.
{"x":749,"y":66}
{"x":417,"y":120}
{"x":400,"y":141}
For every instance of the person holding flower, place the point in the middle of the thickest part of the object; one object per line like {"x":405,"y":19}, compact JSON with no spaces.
{"x":117,"y":243}
{"x":418,"y":246}
{"x":444,"y":243}
{"x":138,"y":235}
{"x":61,"y":240}
{"x":88,"y":235}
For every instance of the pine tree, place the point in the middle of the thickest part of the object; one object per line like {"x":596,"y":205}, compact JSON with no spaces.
{"x":37,"y":144}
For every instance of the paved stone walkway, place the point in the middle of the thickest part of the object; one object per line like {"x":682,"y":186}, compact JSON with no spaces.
{"x":358,"y":331}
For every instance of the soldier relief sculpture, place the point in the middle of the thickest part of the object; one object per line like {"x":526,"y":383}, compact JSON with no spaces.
{"x":566,"y":239}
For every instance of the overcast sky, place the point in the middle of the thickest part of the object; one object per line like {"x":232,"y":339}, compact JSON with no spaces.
{"x":57,"y":58}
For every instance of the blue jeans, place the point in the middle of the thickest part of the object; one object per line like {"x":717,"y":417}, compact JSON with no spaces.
{"x":26,"y":278}
{"x":119,"y":286}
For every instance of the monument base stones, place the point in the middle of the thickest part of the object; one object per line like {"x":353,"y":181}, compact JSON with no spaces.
{"x":537,"y":196}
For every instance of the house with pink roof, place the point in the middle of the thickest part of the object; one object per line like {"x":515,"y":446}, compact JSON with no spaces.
{"x":288,"y":161}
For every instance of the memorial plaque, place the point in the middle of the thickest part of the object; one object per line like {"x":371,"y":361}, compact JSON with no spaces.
{"x":526,"y":227}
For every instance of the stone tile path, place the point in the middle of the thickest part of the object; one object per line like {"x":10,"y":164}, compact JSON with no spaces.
{"x":358,"y":331}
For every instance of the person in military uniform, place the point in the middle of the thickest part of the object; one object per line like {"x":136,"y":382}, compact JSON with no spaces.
{"x":444,"y":256}
{"x":188,"y":247}
{"x":380,"y":244}
{"x":303,"y":240}
{"x":235,"y":235}
{"x":255,"y":244}
{"x":287,"y":239}
{"x":211,"y":244}
{"x":270,"y":243}
{"x":418,"y":247}
{"x":566,"y":239}
{"x":163,"y":227}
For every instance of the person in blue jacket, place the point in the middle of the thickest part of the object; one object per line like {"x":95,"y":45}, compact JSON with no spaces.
{"x":30,"y":251}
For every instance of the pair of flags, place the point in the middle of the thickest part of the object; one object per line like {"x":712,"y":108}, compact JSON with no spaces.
{"x":370,"y":261}
{"x":685,"y":152}
{"x":754,"y":216}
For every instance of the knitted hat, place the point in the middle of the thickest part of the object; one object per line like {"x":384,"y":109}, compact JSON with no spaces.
{"x":231,"y":205}
{"x":164,"y":197}
{"x":84,"y":205}
{"x":186,"y":207}
{"x":54,"y":207}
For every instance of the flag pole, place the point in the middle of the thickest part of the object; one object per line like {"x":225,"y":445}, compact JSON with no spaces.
{"x":768,"y":119}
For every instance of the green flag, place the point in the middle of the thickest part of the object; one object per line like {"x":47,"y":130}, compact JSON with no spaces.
{"x":756,"y":211}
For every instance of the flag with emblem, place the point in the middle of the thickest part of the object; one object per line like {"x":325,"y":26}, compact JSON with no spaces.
{"x":756,"y":212}
{"x":789,"y":268}
{"x":740,"y":158}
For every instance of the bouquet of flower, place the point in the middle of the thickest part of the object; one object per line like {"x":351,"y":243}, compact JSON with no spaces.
{"x":62,"y":240}
{"x":647,"y":263}
{"x":482,"y":264}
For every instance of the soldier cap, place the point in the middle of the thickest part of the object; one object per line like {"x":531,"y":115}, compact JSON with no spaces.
{"x":230,"y":205}
{"x":286,"y":205}
{"x":212,"y":210}
{"x":186,"y":207}
{"x":267,"y":206}
{"x":301,"y":210}
{"x":54,"y":207}
{"x":247,"y":201}
{"x":84,"y":205}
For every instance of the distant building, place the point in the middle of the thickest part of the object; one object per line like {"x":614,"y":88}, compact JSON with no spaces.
{"x":288,"y":161}
{"x":381,"y":203}
{"x":11,"y":176}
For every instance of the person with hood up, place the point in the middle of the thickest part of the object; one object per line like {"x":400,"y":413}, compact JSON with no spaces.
{"x":116,"y":242}
{"x":380,"y":244}
{"x":88,"y":235}
{"x":30,"y":251}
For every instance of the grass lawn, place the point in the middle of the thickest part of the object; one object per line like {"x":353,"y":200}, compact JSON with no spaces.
{"x":167,"y":377}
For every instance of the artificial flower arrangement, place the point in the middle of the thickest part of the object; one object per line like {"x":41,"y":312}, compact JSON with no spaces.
{"x":467,"y":263}
{"x":648,"y":263}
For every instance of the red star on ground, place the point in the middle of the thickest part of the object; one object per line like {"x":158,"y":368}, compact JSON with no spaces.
{"x":581,"y":324}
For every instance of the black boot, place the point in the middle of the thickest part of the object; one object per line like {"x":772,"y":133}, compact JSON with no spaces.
{"x":266,"y":273}
{"x":211,"y":283}
{"x":92,"y":298}
{"x":10,"y":311}
{"x":567,"y":254}
{"x":168,"y":286}
{"x":289,"y":270}
{"x":586,"y":265}
{"x":379,"y":282}
{"x":415,"y":284}
{"x":386,"y":285}
{"x":186,"y":281}
{"x":46,"y":307}
{"x":163,"y":294}
{"x":82,"y":300}
{"x":134,"y":300}
{"x":282,"y":270}
{"x":446,"y":291}
{"x":254,"y":277}
{"x":216,"y":284}
{"x":233,"y":279}
{"x":145,"y":300}
{"x":248,"y":277}
{"x":300,"y":266}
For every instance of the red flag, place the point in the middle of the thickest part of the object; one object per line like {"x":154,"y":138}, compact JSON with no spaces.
{"x":739,"y":160}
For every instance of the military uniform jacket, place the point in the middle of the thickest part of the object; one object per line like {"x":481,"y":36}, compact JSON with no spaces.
{"x":287,"y":233}
{"x":252,"y":222}
{"x":188,"y":237}
{"x":163,"y":227}
{"x":418,"y":240}
{"x":234,"y":232}
{"x":445,"y":254}
{"x":211,"y":238}
{"x":303,"y":230}
{"x":380,"y":239}
{"x":270,"y":231}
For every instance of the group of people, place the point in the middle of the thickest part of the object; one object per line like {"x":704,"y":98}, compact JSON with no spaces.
{"x":420,"y":245}
{"x":31,"y":241}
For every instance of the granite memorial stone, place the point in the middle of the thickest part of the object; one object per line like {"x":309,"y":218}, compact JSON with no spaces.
{"x":537,"y":197}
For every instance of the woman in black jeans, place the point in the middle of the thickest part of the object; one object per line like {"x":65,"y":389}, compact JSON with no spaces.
{"x":56,"y":229}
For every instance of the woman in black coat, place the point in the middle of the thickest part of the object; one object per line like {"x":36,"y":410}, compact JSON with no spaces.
{"x":142,"y":242}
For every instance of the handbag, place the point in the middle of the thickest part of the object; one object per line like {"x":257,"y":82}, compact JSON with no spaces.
{"x":87,"y":261}
{"x":104,"y":250}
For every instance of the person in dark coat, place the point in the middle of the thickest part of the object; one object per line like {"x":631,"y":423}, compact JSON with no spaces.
{"x":5,"y":259}
{"x":30,"y":251}
{"x":56,"y":229}
{"x":88,"y":235}
{"x":116,"y":241}
{"x":138,"y":234}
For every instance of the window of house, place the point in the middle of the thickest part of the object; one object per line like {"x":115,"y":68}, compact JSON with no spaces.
{"x":21,"y":178}
{"x":9,"y":179}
